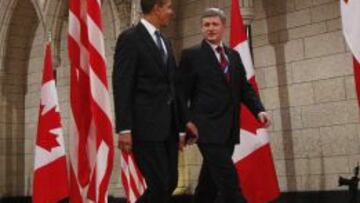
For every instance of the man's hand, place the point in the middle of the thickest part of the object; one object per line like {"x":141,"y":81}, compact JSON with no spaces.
{"x":182,"y":142}
{"x":125,"y":142}
{"x":264,"y":118}
{"x":189,"y":137}
{"x":192,"y":133}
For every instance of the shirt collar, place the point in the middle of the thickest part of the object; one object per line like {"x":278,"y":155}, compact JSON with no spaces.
{"x":214,"y":46}
{"x":149,"y":27}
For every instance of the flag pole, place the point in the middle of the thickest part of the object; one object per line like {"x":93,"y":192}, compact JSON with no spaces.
{"x":249,"y":35}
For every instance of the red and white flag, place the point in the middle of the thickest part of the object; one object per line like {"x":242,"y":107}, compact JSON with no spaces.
{"x":133,"y":182}
{"x":91,"y":137}
{"x":50,"y":182}
{"x":252,"y":156}
{"x":350,"y":15}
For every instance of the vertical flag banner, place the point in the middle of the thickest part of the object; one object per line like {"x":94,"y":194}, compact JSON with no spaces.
{"x":350,"y":15}
{"x":252,"y":156}
{"x":91,"y":137}
{"x":50,"y":182}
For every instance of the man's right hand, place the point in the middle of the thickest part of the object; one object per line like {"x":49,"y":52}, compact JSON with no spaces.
{"x":125,"y":142}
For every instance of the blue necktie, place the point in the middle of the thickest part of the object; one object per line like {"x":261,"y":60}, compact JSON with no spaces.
{"x":160,"y":46}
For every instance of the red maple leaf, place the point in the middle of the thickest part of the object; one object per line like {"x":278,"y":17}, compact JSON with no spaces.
{"x":48,"y":122}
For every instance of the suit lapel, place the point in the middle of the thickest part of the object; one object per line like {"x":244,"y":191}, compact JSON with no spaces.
{"x":153,"y":49}
{"x":231,"y":62}
{"x":211,"y":55}
{"x":233,"y":66}
{"x":170,"y":58}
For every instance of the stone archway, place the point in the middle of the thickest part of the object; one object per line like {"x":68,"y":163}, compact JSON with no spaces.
{"x":21,"y":57}
{"x":7,"y":9}
{"x":18,"y":38}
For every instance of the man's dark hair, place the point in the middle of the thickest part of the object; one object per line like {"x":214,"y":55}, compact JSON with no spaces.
{"x":148,"y":5}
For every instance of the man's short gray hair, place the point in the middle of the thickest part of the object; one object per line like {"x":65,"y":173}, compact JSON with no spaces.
{"x":214,"y":12}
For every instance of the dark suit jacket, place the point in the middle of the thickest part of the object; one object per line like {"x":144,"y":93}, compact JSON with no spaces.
{"x":207,"y":99}
{"x":143,"y":86}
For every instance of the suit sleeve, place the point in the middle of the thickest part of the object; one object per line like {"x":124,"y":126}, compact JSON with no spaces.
{"x":124,"y":73}
{"x":185,"y":84}
{"x":247,"y":93}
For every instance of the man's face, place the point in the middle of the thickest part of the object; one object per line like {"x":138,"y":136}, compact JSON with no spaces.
{"x":164,"y":13}
{"x":212,"y":29}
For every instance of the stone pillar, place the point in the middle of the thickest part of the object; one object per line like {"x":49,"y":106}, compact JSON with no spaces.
{"x":247,"y":11}
{"x":135,"y":11}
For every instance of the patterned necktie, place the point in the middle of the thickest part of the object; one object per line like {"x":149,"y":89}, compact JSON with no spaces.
{"x":160,"y":46}
{"x":224,"y":64}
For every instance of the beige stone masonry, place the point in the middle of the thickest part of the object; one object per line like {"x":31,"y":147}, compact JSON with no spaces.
{"x":329,"y":90}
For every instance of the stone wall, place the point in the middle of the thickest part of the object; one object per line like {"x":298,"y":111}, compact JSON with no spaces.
{"x":304,"y":71}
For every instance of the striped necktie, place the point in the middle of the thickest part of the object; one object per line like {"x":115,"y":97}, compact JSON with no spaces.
{"x":224,"y":63}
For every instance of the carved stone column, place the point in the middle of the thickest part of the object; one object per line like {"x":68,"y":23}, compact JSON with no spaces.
{"x":135,"y":11}
{"x":247,"y":11}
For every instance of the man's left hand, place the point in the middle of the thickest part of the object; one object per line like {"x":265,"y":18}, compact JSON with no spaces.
{"x":264,"y":118}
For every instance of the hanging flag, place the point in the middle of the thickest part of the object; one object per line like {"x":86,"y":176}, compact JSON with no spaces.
{"x":350,"y":14}
{"x":132,"y":179}
{"x":91,"y":137}
{"x":50,"y":182}
{"x":252,"y":156}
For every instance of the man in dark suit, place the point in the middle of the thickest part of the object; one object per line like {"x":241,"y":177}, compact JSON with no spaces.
{"x":145,"y":106}
{"x":212,"y":83}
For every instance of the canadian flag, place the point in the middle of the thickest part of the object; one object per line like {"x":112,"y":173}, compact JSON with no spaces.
{"x":350,"y":14}
{"x":252,"y":156}
{"x":50,"y":182}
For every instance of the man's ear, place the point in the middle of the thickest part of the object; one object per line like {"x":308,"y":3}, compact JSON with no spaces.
{"x":156,"y":8}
